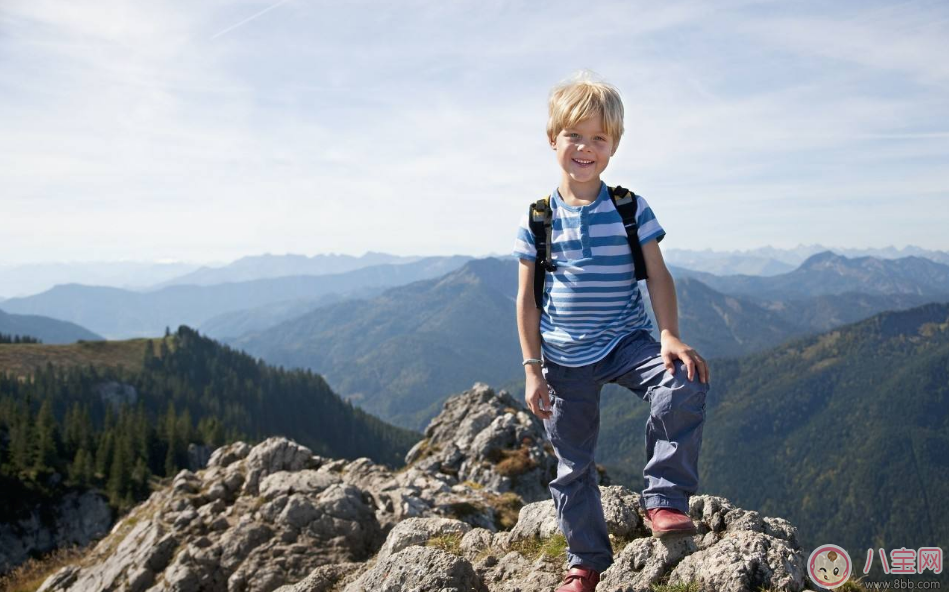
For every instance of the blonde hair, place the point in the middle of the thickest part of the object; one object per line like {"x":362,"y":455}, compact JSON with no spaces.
{"x":581,"y":96}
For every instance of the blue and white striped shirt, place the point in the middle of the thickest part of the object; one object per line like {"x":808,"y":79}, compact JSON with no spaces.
{"x":592,"y":300}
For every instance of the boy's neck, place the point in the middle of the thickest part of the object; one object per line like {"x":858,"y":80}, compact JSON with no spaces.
{"x":576,"y":193}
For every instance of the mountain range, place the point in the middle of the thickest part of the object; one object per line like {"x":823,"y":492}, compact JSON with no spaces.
{"x":117,"y":313}
{"x":772,"y":261}
{"x":829,"y":273}
{"x":398,"y":353}
{"x":266,"y":266}
{"x":46,"y":329}
{"x":32,"y":278}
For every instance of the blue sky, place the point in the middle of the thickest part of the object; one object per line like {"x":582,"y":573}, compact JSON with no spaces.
{"x":203,"y":131}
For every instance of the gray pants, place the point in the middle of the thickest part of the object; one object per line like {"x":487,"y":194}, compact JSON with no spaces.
{"x":673,"y":439}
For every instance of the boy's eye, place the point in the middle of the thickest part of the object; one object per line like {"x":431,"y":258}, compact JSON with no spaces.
{"x":601,"y":138}
{"x":573,"y":135}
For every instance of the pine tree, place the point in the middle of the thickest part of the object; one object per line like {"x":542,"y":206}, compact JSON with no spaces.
{"x":120,"y":473}
{"x":104,"y":454}
{"x":139,"y":479}
{"x":82,"y":468}
{"x":46,"y":438}
{"x":171,"y":436}
{"x":21,"y":438}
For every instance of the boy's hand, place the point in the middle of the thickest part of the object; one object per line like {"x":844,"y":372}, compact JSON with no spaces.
{"x":535,"y":391}
{"x":673,"y":348}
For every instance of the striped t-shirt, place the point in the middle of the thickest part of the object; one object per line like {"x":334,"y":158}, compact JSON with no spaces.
{"x":592,"y":300}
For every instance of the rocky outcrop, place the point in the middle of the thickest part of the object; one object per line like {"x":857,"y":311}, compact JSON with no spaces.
{"x":459,"y":516}
{"x":490,"y":439}
{"x":76,"y":519}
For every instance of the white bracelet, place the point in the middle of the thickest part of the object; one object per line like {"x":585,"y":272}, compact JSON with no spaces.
{"x":532,"y":361}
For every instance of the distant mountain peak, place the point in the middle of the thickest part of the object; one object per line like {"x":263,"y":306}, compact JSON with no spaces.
{"x":822,"y":258}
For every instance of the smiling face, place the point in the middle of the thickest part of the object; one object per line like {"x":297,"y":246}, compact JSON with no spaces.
{"x":830,"y":567}
{"x":584,"y":150}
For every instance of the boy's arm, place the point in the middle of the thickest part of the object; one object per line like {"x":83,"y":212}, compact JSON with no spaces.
{"x":528,"y":327}
{"x":662,"y":290}
{"x":528,"y":316}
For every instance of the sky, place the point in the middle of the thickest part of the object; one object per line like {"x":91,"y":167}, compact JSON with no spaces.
{"x":208,"y":131}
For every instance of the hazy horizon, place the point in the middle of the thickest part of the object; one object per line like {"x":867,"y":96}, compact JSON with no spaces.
{"x":665,"y":249}
{"x":135,"y":274}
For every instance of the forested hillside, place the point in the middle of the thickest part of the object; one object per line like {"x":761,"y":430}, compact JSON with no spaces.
{"x":846,"y":434}
{"x":117,"y":427}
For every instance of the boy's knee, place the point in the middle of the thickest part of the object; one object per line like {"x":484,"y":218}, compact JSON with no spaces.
{"x":682,"y":380}
{"x":679,"y":396}
{"x":577,"y":470}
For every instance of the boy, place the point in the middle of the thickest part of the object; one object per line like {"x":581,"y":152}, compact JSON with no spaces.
{"x":593,"y":330}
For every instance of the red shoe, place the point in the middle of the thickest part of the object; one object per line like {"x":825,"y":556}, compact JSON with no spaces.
{"x":580,"y":579}
{"x":667,"y":521}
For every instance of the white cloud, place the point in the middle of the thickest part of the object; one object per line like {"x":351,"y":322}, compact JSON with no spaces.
{"x":217,"y":130}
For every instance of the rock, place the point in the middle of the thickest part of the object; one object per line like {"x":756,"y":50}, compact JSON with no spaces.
{"x":644,"y":562}
{"x":490,"y":439}
{"x":420,"y":568}
{"x":225,"y":455}
{"x":537,"y":520}
{"x":322,"y":579}
{"x":416,"y":531}
{"x":474,"y":542}
{"x":620,"y":508}
{"x":62,"y":579}
{"x":743,"y":560}
{"x":307,"y":482}
{"x":270,"y":456}
{"x":117,"y":394}
{"x":460,"y":516}
{"x":78,"y":519}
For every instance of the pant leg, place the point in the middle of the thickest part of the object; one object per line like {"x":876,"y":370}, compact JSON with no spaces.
{"x":676,"y":419}
{"x":573,"y":429}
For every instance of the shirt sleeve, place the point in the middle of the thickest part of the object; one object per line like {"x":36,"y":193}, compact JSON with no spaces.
{"x":524,"y":246}
{"x":647,"y":225}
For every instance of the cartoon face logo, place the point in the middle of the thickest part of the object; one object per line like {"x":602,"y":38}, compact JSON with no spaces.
{"x":829,"y":566}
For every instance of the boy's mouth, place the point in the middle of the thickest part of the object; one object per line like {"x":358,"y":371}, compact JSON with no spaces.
{"x":582,"y":163}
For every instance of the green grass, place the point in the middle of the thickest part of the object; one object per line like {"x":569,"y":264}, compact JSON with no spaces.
{"x":554,"y":547}
{"x":692,"y":586}
{"x":22,"y":359}
{"x":450,"y":543}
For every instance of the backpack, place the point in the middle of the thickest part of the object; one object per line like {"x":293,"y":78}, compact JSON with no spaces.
{"x":540,"y":218}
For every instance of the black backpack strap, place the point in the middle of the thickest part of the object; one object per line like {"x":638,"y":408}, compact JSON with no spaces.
{"x":540,"y":219}
{"x":626,"y":204}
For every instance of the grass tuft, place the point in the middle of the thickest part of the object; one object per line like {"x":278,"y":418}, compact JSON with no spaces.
{"x":450,"y":543}
{"x":29,"y":576}
{"x":554,"y":547}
